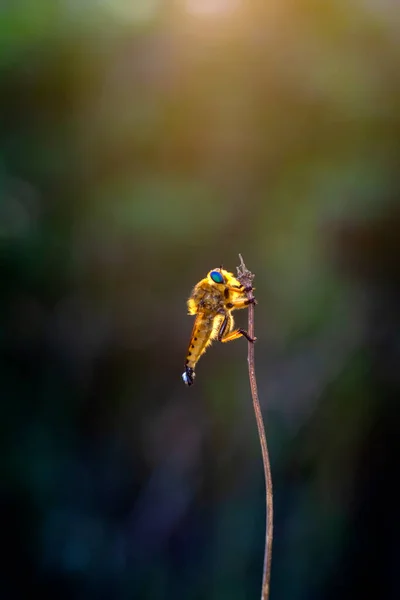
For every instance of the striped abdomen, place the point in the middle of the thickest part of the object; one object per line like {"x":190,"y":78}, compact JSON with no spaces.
{"x":205,"y":330}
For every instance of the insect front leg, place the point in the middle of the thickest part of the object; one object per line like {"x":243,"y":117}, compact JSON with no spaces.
{"x":239,"y":289}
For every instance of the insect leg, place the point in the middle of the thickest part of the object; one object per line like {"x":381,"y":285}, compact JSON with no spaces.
{"x":234,"y":335}
{"x":234,"y":304}
{"x":227,"y":335}
{"x":223,"y":326}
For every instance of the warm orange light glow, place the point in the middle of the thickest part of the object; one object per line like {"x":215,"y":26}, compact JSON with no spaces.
{"x":211,"y":7}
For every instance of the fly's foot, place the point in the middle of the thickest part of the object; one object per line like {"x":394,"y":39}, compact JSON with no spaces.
{"x":247,"y":336}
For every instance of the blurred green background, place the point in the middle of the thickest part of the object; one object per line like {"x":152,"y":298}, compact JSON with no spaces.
{"x":142,"y":143}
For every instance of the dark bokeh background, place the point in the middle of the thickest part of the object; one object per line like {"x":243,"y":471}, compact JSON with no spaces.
{"x":143,"y":143}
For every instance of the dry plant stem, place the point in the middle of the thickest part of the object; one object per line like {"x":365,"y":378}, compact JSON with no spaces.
{"x":246,"y":278}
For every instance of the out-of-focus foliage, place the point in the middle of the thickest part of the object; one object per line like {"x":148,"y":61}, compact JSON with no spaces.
{"x":141,"y":144}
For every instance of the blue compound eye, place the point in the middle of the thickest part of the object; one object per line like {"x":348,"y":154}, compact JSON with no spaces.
{"x":217,"y":277}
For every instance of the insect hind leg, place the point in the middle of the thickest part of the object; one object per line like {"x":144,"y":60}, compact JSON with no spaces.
{"x":234,"y":335}
{"x":225,"y":327}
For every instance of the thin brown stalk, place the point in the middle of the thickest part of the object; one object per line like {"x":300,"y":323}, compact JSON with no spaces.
{"x":246,"y":278}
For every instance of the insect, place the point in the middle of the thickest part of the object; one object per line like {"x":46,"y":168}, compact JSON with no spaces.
{"x":212,"y":301}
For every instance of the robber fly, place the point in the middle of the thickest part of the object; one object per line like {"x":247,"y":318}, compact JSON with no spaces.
{"x":212,"y":301}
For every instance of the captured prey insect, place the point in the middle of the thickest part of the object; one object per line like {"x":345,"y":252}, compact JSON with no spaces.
{"x":212,"y":301}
